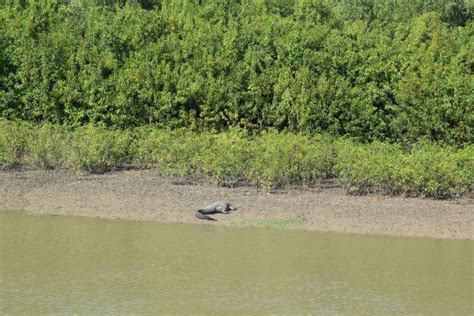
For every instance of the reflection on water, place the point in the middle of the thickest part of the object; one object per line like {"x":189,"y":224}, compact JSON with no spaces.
{"x":79,"y":265}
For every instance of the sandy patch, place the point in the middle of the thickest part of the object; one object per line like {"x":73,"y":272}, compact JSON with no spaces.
{"x":145,"y":195}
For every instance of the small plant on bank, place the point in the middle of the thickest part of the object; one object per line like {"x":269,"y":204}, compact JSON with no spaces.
{"x":363,"y":168}
{"x":13,"y":143}
{"x":145,"y":148}
{"x":227,"y":158}
{"x":436,"y":171}
{"x":464,"y":159}
{"x":47,"y":146}
{"x":428,"y":170}
{"x":285,"y":158}
{"x":96,"y":149}
{"x":178,"y":152}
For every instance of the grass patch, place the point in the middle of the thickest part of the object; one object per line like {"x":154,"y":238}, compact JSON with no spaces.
{"x":270,"y":223}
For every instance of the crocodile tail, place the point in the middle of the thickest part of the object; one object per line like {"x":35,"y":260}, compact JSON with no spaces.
{"x":203,"y":216}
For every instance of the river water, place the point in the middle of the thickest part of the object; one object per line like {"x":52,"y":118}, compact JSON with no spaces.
{"x":71,"y":265}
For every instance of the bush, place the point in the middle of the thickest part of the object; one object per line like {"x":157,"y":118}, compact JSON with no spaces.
{"x":14,"y":138}
{"x":285,"y":158}
{"x":47,"y":146}
{"x":428,"y":170}
{"x":436,"y":171}
{"x":391,"y":70}
{"x":97,"y":149}
{"x":268,"y":160}
{"x":227,"y":158}
{"x":178,"y":152}
{"x":145,"y":149}
{"x":464,"y":159}
{"x":366,"y":168}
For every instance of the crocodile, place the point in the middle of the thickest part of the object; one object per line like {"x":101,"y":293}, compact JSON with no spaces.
{"x":214,"y":208}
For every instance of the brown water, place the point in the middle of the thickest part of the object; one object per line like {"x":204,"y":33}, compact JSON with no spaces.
{"x":89,"y":266}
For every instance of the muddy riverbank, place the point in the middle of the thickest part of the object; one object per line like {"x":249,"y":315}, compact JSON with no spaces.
{"x":145,"y":195}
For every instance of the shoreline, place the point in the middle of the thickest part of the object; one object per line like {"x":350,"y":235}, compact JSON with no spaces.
{"x":145,"y":195}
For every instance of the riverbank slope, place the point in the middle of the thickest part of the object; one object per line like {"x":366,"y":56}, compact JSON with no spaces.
{"x":145,"y":195}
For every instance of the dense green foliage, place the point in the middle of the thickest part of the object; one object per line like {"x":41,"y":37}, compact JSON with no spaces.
{"x":272,"y":159}
{"x":396,"y":70}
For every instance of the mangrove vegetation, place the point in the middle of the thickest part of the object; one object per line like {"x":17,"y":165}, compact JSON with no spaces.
{"x":377,"y":93}
{"x":270,"y":159}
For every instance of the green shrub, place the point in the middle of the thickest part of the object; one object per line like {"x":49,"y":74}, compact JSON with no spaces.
{"x":428,"y":170}
{"x":181,"y":152}
{"x":227,"y":158}
{"x":47,"y":146}
{"x":433,"y":170}
{"x":145,"y":149}
{"x":464,"y":159}
{"x":285,"y":158}
{"x":14,"y":138}
{"x":268,"y":160}
{"x":365,"y":168}
{"x":97,"y":149}
{"x":391,"y":70}
{"x":175,"y":153}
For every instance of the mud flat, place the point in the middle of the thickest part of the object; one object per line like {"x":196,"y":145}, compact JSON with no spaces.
{"x":145,"y":195}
